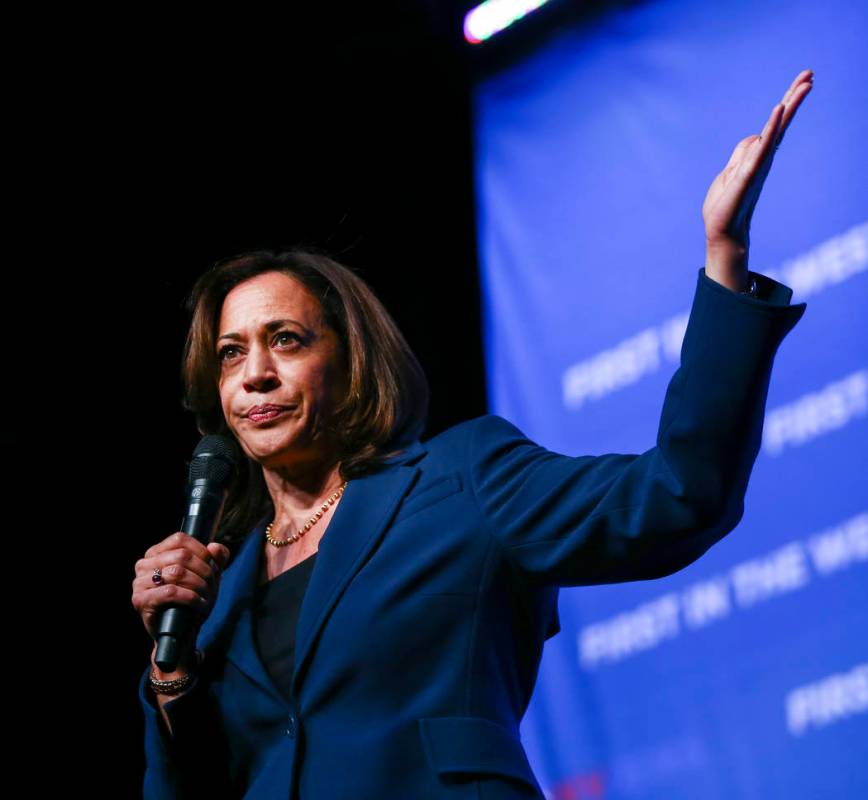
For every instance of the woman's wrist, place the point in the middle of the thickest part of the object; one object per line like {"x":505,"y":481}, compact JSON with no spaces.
{"x":187,"y":665}
{"x":726,"y":263}
{"x":176,"y":682}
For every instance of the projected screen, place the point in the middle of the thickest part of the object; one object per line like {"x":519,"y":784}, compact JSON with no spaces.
{"x":744,"y":675}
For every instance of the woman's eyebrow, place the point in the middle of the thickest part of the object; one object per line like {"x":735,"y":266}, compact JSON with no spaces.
{"x":269,"y":326}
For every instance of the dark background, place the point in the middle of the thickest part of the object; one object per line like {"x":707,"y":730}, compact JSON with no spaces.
{"x":177,"y":142}
{"x":351,"y":133}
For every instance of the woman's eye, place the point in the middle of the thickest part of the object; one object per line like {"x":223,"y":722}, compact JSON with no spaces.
{"x":283,"y":336}
{"x":230,"y":351}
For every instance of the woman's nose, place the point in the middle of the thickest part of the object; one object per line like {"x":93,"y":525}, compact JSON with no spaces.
{"x":259,"y":370}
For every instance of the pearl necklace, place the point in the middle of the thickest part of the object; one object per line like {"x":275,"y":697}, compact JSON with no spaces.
{"x":307,"y":526}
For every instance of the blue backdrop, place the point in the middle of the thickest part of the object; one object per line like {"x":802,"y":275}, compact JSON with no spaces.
{"x":745,"y":675}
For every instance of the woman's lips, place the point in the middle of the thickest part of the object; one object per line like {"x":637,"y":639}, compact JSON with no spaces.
{"x":267,"y":413}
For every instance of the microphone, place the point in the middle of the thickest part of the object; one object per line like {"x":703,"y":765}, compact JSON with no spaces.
{"x":215,"y":461}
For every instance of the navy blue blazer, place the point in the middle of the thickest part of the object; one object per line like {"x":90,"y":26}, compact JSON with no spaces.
{"x":436,"y":584}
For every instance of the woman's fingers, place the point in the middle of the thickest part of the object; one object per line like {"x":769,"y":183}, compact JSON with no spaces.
{"x":180,"y":585}
{"x":183,"y":561}
{"x":176,"y":573}
{"x":764,"y":143}
{"x":774,"y":128}
{"x":792,"y":105}
{"x":174,"y":593}
{"x":176,"y":540}
{"x":189,"y":551}
{"x":773,"y":121}
{"x":804,"y":75}
{"x":731,"y":199}
{"x":190,"y":576}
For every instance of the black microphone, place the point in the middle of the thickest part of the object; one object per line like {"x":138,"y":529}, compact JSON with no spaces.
{"x":215,"y":461}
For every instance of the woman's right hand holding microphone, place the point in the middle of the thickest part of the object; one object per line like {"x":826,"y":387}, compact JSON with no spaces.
{"x":189,"y":574}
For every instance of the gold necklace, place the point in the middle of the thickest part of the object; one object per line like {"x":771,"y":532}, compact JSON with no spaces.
{"x":307,"y":525}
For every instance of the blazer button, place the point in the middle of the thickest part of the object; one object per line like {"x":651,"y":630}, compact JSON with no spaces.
{"x":290,"y":726}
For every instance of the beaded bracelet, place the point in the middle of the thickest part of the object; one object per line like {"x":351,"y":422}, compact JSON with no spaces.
{"x":176,"y":685}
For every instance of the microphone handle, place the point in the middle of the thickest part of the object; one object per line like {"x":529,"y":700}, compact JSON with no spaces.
{"x":175,"y":630}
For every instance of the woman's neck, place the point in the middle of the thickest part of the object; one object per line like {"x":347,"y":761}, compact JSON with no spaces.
{"x":297,"y":493}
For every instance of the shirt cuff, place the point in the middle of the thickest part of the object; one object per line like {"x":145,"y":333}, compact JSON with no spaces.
{"x":769,"y":291}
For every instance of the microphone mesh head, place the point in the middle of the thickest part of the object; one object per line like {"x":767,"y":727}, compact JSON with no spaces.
{"x":215,"y":458}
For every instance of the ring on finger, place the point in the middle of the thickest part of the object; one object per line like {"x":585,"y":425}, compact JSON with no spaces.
{"x":157,"y":577}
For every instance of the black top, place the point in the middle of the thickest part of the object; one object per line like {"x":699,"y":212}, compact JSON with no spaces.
{"x":277,"y":604}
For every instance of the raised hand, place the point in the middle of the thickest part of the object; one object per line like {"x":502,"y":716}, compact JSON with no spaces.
{"x":730,"y":202}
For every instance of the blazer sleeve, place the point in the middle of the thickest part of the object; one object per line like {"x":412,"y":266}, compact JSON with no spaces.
{"x":191,"y":763}
{"x":569,"y":521}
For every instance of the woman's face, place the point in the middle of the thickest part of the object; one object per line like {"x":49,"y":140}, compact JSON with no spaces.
{"x":280,"y":371}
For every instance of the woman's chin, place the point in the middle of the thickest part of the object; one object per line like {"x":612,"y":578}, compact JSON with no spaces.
{"x":278,"y":447}
{"x":278,"y":453}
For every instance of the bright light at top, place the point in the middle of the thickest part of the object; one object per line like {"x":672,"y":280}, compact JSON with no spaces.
{"x":492,"y":16}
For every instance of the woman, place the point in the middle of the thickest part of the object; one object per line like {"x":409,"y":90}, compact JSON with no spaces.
{"x":378,"y":627}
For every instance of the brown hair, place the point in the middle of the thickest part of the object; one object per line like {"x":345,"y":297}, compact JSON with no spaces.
{"x":386,"y":406}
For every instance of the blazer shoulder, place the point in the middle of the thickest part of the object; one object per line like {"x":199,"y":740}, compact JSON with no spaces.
{"x":458,"y":438}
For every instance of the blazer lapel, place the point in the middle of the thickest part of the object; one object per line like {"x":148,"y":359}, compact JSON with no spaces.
{"x":229,"y":628}
{"x":360,"y":519}
{"x":366,"y":507}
